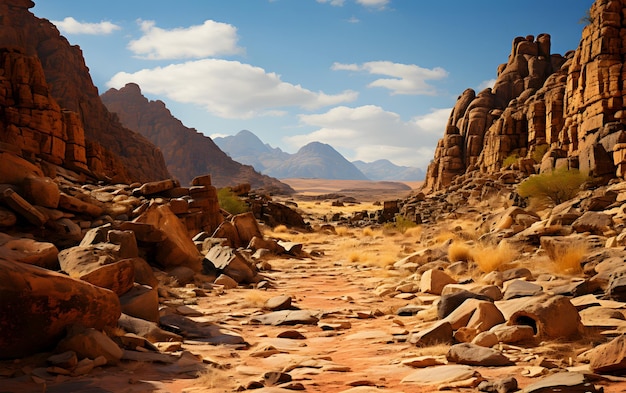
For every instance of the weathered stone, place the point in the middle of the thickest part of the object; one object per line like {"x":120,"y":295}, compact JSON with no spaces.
{"x":595,"y":222}
{"x":177,"y":249}
{"x":609,"y":357}
{"x":474,"y":355}
{"x":549,"y":316}
{"x":29,"y":251}
{"x":565,"y":382}
{"x":74,"y":204}
{"x":226,"y":281}
{"x":521,"y":288}
{"x":287,"y":317}
{"x":503,"y":385}
{"x":43,"y":304}
{"x":440,"y":374}
{"x":277,"y":303}
{"x":440,"y":332}
{"x":513,"y":333}
{"x":91,"y":343}
{"x":485,"y":339}
{"x":141,"y":301}
{"x":434,"y":280}
{"x":19,"y":205}
{"x":41,"y":191}
{"x":450,"y":302}
{"x":231,"y":263}
{"x":146,"y":329}
{"x":247,"y":227}
{"x":486,"y":316}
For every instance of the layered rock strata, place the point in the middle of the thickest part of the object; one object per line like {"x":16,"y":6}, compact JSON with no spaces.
{"x":77,"y":129}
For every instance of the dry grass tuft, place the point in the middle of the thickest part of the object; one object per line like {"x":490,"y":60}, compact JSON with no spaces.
{"x":342,"y":231}
{"x":255,"y":298}
{"x":568,"y":259}
{"x":459,"y":252}
{"x":355,"y":257}
{"x":489,"y":258}
{"x":281,"y":229}
{"x":414,"y":232}
{"x":367,"y":232}
{"x":444,"y":236}
{"x":212,"y":378}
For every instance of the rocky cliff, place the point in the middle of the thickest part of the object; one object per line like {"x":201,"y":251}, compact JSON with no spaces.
{"x":40,"y":66}
{"x":188,"y":153}
{"x":545,"y":109}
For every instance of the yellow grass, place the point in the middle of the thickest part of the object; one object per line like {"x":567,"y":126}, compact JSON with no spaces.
{"x":489,"y":258}
{"x":459,"y":252}
{"x":368,"y":231}
{"x":414,"y":232}
{"x":212,"y":378}
{"x":342,"y":231}
{"x":444,"y":236}
{"x":568,"y":259}
{"x":255,"y":298}
{"x":280,"y":229}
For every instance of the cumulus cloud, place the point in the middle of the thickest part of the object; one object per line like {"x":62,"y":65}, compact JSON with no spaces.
{"x":407,"y":79}
{"x":70,"y":25}
{"x":372,"y":133}
{"x":208,"y":39}
{"x":228,"y":89}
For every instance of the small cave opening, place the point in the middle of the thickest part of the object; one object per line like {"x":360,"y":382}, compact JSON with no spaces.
{"x":526,"y":320}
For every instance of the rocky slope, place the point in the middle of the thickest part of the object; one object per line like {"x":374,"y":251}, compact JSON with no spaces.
{"x":188,"y":153}
{"x":569,"y":107}
{"x":62,"y":75}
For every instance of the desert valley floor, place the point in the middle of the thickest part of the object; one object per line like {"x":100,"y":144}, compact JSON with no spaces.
{"x":352,"y":336}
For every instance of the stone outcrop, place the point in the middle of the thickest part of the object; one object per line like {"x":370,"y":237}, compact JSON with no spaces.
{"x":188,"y":153}
{"x":51,"y":108}
{"x":545,"y":110}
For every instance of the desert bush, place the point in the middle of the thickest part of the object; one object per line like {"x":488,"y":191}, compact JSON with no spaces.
{"x":401,"y":224}
{"x":539,"y":152}
{"x":231,"y":202}
{"x":489,"y":257}
{"x":552,"y":188}
{"x":510,"y":160}
{"x":367,"y":231}
{"x":567,"y":260}
{"x":459,"y":252}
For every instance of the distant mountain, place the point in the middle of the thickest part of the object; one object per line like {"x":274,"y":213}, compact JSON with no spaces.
{"x":247,"y":148}
{"x":387,"y":170}
{"x":316,"y":160}
{"x":188,"y":153}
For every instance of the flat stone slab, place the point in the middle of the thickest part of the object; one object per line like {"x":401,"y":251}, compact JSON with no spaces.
{"x":440,"y":374}
{"x":566,"y":382}
{"x":287,"y":317}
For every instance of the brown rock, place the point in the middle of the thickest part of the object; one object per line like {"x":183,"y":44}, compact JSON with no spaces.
{"x":91,"y":343}
{"x":29,"y":251}
{"x":43,"y":304}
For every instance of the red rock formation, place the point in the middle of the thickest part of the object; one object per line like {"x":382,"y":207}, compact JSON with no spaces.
{"x":571,"y":107}
{"x":105,"y":146}
{"x":187,"y":152}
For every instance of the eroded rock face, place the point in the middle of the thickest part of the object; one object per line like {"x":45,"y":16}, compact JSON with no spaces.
{"x":549,"y":110}
{"x":61,"y":118}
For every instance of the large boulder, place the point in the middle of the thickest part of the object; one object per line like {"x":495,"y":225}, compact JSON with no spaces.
{"x":37,"y":305}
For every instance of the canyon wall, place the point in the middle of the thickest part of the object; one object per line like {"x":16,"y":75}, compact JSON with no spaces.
{"x":545,"y":110}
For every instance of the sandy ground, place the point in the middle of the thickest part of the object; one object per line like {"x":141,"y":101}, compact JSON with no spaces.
{"x":358,"y":345}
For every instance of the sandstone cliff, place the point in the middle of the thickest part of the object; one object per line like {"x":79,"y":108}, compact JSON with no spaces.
{"x":188,"y":153}
{"x":549,"y":110}
{"x":62,"y":76}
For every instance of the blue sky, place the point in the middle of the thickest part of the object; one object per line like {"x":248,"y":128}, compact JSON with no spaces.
{"x":373,"y":78}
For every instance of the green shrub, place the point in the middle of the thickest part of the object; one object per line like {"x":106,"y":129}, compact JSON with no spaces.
{"x":400,"y":224}
{"x":539,"y":152}
{"x":510,"y":160}
{"x":552,"y":188}
{"x":231,"y":202}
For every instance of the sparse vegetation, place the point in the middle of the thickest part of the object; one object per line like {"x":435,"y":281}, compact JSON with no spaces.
{"x":510,"y":160}
{"x":400,"y":224}
{"x":552,"y":188}
{"x":568,"y":259}
{"x":539,"y":152}
{"x":231,"y":202}
{"x":489,"y":258}
{"x":459,"y":252}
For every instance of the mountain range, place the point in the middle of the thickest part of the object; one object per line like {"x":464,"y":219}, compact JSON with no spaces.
{"x":314,"y":160}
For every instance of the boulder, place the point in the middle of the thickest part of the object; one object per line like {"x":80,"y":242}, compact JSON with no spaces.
{"x":609,"y":357}
{"x":433,"y":281}
{"x":247,"y":227}
{"x":41,"y":191}
{"x":231,"y":263}
{"x":142,"y":302}
{"x":38,"y":305}
{"x":550,"y":317}
{"x":475,"y":355}
{"x":440,"y":332}
{"x":25,"y":250}
{"x":177,"y":249}
{"x":91,"y":343}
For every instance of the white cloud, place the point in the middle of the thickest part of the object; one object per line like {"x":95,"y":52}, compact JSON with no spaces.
{"x":371,"y":133}
{"x":353,"y":19}
{"x":485,"y":84}
{"x":335,"y":3}
{"x":70,"y":25}
{"x":380,"y":4}
{"x":228,"y":89}
{"x":208,"y":39}
{"x":407,"y":79}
